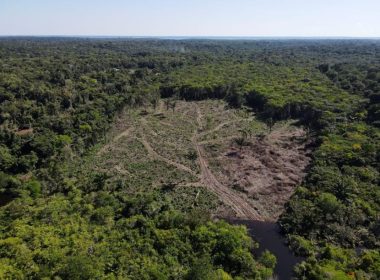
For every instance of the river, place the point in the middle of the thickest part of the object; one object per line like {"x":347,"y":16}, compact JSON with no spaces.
{"x":268,"y":236}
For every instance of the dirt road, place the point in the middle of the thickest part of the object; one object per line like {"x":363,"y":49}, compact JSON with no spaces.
{"x":228,"y":196}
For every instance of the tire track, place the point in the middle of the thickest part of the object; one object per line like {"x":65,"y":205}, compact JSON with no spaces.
{"x":106,"y":147}
{"x":154,"y":154}
{"x":237,"y":203}
{"x":217,"y":128}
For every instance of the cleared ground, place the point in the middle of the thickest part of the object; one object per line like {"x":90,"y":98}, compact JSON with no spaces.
{"x":202,"y":147}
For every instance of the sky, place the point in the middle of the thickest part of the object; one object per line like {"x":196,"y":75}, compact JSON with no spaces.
{"x":289,"y":18}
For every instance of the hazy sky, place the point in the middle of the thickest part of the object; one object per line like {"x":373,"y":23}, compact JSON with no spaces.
{"x":191,"y":17}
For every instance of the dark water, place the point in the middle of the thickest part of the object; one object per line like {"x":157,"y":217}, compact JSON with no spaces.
{"x":269,"y":238}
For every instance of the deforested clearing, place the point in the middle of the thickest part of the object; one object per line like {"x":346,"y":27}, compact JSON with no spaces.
{"x":197,"y":144}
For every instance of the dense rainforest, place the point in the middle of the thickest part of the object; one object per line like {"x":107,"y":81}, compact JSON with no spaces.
{"x":60,"y":96}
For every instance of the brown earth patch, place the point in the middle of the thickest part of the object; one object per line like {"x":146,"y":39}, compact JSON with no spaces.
{"x":24,"y":132}
{"x":267,"y":170}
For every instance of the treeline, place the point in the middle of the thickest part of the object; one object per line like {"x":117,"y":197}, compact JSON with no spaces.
{"x":277,"y":92}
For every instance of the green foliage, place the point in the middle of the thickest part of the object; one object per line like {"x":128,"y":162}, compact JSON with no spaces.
{"x":102,"y":235}
{"x":6,"y":158}
{"x":268,"y":259}
{"x":9,"y":183}
{"x":34,"y":188}
{"x":340,"y":204}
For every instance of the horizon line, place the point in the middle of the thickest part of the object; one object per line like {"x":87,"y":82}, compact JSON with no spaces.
{"x":179,"y":37}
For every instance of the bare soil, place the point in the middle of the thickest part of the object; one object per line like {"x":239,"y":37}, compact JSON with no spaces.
{"x":266,"y":170}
